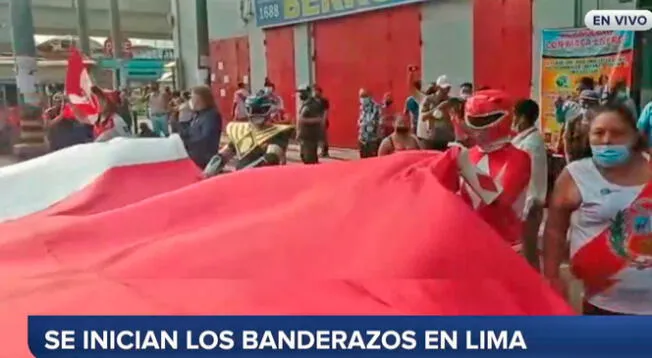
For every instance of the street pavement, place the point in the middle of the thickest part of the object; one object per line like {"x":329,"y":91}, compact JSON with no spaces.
{"x":335,"y":154}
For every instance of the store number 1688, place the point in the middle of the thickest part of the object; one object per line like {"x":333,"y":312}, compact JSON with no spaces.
{"x":267,"y":12}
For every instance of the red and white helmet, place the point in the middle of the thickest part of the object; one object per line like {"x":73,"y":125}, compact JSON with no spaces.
{"x":488,"y":118}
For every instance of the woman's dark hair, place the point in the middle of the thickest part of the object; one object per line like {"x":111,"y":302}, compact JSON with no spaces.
{"x":628,"y":117}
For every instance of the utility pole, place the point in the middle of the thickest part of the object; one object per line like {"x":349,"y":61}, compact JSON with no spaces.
{"x":116,"y":37}
{"x":32,"y":134}
{"x":579,"y":14}
{"x":203,"y":50}
{"x":178,"y":71}
{"x":82,"y":27}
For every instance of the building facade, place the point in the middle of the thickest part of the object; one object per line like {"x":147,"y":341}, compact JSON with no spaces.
{"x":345,"y":45}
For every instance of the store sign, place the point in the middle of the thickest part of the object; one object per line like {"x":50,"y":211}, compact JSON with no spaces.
{"x":136,"y":69}
{"x":270,"y":13}
{"x":165,"y":54}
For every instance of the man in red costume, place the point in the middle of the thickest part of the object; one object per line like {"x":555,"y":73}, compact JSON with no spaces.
{"x":495,"y":173}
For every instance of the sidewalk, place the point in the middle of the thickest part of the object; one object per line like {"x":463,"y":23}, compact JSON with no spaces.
{"x":334,"y":154}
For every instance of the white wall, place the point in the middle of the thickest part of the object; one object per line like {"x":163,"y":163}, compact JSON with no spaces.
{"x":447,"y":33}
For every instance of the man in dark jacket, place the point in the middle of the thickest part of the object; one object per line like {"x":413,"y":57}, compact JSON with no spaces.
{"x":202,"y":139}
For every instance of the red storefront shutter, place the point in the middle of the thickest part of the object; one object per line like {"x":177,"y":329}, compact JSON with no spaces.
{"x":243,"y":63}
{"x":279,"y":52}
{"x":375,"y":58}
{"x":230,"y":63}
{"x":518,"y":42}
{"x":502,"y":45}
{"x":404,"y":50}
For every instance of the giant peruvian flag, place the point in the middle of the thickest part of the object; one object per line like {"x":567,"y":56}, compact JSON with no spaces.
{"x":78,"y":88}
{"x":126,"y":227}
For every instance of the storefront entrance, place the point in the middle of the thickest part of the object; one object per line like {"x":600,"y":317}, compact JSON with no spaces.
{"x":370,"y":50}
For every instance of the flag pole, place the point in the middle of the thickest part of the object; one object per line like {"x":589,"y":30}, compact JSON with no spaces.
{"x":82,"y":27}
{"x":32,"y":133}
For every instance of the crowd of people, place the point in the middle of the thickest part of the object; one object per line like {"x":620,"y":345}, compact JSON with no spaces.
{"x":598,"y":210}
{"x":193,"y":114}
{"x":599,"y":218}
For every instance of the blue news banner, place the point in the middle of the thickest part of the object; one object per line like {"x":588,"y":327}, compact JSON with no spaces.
{"x":371,"y":336}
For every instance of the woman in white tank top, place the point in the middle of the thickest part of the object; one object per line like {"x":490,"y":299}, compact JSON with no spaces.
{"x":603,"y":206}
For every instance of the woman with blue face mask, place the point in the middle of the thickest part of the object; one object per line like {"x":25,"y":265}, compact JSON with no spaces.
{"x":609,"y":197}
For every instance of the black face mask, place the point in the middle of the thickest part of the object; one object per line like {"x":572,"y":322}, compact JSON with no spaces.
{"x":387,"y":103}
{"x":303,"y":96}
{"x":402,"y":130}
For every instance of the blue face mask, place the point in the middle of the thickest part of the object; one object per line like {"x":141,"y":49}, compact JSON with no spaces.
{"x":365,"y":100}
{"x":610,"y":155}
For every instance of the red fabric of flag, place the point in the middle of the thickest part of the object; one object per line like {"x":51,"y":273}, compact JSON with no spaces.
{"x":381,"y":236}
{"x":78,"y":87}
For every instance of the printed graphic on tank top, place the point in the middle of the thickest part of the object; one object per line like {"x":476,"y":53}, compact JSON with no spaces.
{"x":611,"y":241}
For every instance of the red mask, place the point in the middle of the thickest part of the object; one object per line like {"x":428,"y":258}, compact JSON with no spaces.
{"x":488,"y":118}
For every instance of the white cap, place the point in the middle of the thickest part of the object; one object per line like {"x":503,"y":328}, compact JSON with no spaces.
{"x":442,"y":81}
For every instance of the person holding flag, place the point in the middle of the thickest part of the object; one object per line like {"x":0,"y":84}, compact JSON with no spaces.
{"x":91,"y":105}
{"x":495,"y":173}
